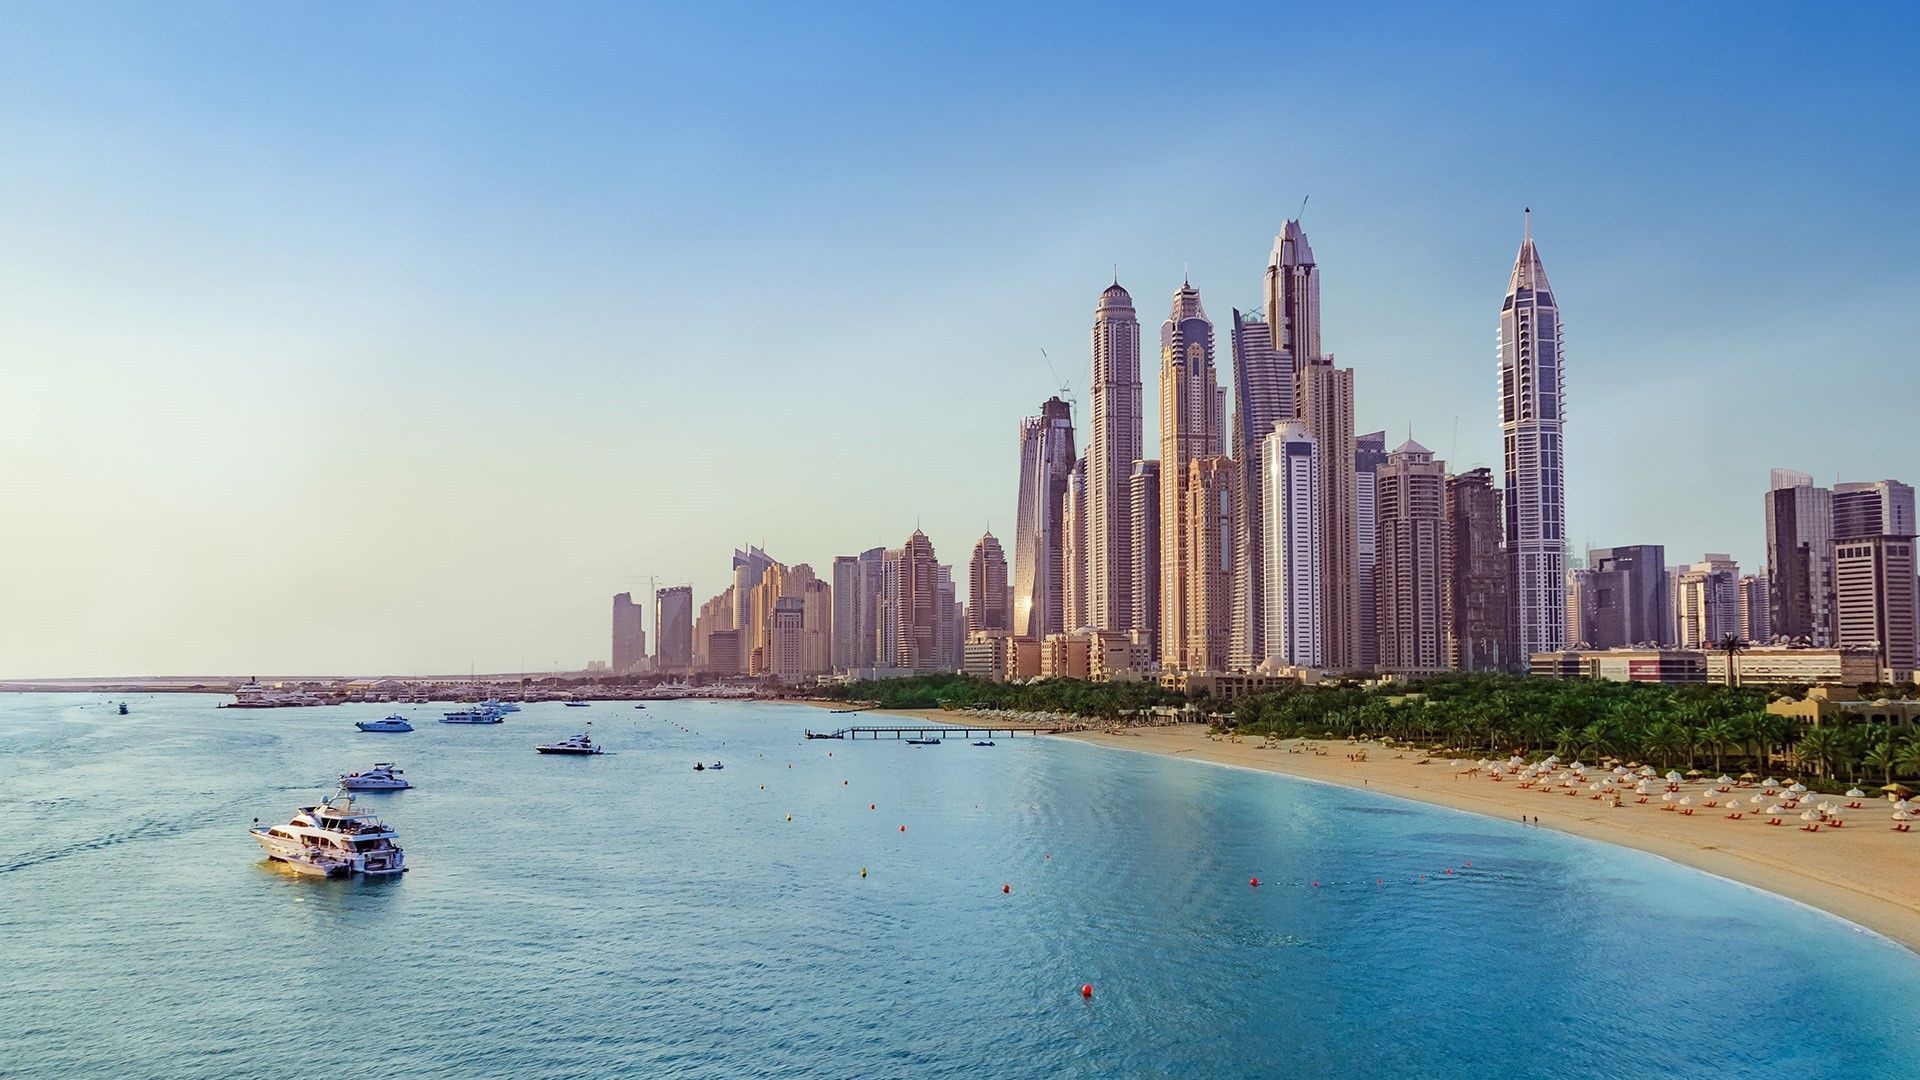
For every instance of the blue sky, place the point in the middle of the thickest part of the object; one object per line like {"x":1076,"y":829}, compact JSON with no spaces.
{"x":398,"y":337}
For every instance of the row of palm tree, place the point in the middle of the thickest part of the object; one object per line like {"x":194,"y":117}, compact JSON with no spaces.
{"x":1687,"y":726}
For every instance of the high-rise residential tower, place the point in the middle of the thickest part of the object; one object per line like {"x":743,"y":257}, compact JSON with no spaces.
{"x":1073,"y":550}
{"x":1478,"y":597}
{"x":629,"y":633}
{"x":1212,"y":490}
{"x":1874,"y":601}
{"x":856,"y":605}
{"x":1408,"y":575}
{"x":1530,"y":417}
{"x":1114,"y":446}
{"x":1262,"y":397}
{"x":673,"y":628}
{"x":1800,"y":558}
{"x":989,"y":603}
{"x":1190,"y":428}
{"x":1369,"y":454}
{"x":1039,"y":542}
{"x":919,"y":610}
{"x":1290,"y":480}
{"x":1143,"y":495}
{"x":1874,"y":508}
{"x":1756,"y":618}
{"x":1323,"y":401}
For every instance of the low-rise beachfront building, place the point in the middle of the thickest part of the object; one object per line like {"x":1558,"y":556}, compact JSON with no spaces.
{"x":1222,"y":686}
{"x":1119,"y":656}
{"x":1023,"y":658}
{"x":1779,"y":665}
{"x":1067,"y":656}
{"x":1649,"y":665}
{"x":1830,"y":704}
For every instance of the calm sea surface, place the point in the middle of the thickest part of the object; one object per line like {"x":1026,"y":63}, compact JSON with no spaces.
{"x":624,"y":915}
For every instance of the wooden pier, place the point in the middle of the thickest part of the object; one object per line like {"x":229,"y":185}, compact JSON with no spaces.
{"x":939,"y":731}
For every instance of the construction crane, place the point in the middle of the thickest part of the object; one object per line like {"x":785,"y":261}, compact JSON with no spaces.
{"x":1066,"y":388}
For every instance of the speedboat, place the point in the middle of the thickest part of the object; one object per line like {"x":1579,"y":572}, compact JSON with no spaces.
{"x":475,"y":715}
{"x":812,"y":734}
{"x":496,"y":705}
{"x":574,"y":744}
{"x":331,"y":838}
{"x":574,"y":703}
{"x":716,"y":765}
{"x":639,"y":706}
{"x":391,"y":723}
{"x":382,"y":777}
{"x":923,"y":742}
{"x":984,"y":742}
{"x":123,"y":708}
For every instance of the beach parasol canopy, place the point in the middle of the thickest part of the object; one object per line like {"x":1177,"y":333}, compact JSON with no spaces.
{"x":1673,"y":776}
{"x":1798,"y":788}
{"x":1856,"y":793}
{"x":1733,"y":804}
{"x":1809,"y":816}
{"x":1694,"y":773}
{"x":1902,"y":815}
{"x":1777,"y":809}
{"x":1902,"y":804}
{"x":1688,"y":801}
{"x":1771,"y":782}
{"x":1898,"y":789}
{"x":1725,"y":779}
{"x":1748,"y":776}
{"x":1643,"y":788}
{"x":1668,"y":796}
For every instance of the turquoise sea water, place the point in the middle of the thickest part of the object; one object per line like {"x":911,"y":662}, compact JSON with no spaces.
{"x":625,"y":915}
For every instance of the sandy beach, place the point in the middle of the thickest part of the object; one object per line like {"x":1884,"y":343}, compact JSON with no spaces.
{"x":1864,"y":872}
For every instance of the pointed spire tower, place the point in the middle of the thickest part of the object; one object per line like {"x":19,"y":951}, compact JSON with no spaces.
{"x":1535,"y":488}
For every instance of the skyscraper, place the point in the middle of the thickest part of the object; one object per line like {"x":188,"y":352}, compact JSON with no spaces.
{"x":1111,"y":452}
{"x":1478,"y":596}
{"x":920,"y":611}
{"x":1212,"y":490}
{"x":1530,"y":415}
{"x":1629,"y":602}
{"x":1290,"y":480}
{"x":949,"y":629}
{"x":1039,"y":542}
{"x":1706,"y":602}
{"x":1756,"y":618}
{"x":1143,"y":496}
{"x":1800,"y":558}
{"x":1262,"y":397}
{"x":673,"y":628}
{"x":1323,"y":401}
{"x":856,"y":605}
{"x":989,"y":604}
{"x":1874,"y":508}
{"x":1874,"y":600}
{"x":1407,"y":575}
{"x":1190,"y":428}
{"x":1073,"y":548}
{"x":1369,"y":453}
{"x":629,"y":633}
{"x":716,"y":617}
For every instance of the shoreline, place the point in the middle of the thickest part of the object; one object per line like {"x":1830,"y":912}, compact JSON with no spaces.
{"x":1863,"y":873}
{"x":1869,"y":877}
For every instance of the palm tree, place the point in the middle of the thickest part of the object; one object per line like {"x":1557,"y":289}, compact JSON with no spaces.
{"x":1733,"y":647}
{"x":1719,"y":734}
{"x":1907,"y":760}
{"x":1882,"y":756}
{"x":1816,"y":749}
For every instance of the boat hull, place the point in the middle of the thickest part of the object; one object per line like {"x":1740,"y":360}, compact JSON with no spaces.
{"x":566,"y":751}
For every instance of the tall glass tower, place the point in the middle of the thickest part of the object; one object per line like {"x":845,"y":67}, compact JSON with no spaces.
{"x":1536,"y":486}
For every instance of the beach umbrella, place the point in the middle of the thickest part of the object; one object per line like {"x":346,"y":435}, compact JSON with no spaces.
{"x":1902,"y":804}
{"x":1748,"y":776}
{"x":1771,"y":782}
{"x":1902,"y":815}
{"x":1673,"y":776}
{"x":1668,"y":796}
{"x":1809,"y":816}
{"x":1725,"y":779}
{"x":1553,"y":759}
{"x":1577,"y":765}
{"x":1694,"y":774}
{"x":1688,"y":801}
{"x":1798,"y":788}
{"x":1856,"y":793}
{"x":1643,"y":788}
{"x":1516,"y":760}
{"x":1733,"y":804}
{"x":1898,"y":789}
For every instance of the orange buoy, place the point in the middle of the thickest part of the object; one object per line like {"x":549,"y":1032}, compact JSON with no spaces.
{"x":1254,"y":881}
{"x":1086,"y":990}
{"x":1006,"y":888}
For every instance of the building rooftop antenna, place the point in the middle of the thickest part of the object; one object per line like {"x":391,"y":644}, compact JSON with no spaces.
{"x":1303,"y":207}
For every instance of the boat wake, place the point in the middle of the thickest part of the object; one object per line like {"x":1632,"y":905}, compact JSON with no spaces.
{"x":149,"y":830}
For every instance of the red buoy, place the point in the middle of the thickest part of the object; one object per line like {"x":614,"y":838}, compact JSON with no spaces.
{"x":1316,"y":884}
{"x":903,"y":828}
{"x":843,"y":783}
{"x":1254,"y":881}
{"x":1006,"y":888}
{"x":1086,"y":990}
{"x":869,"y":806}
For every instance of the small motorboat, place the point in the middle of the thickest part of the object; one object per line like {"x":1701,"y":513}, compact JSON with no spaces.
{"x":123,"y":708}
{"x":639,"y":706}
{"x":812,"y":734}
{"x":574,"y":703}
{"x":382,"y":777}
{"x":923,"y":742}
{"x":391,"y":723}
{"x":716,"y":765}
{"x":577,"y":745}
{"x":697,"y":767}
{"x":844,"y":712}
{"x":984,"y":742}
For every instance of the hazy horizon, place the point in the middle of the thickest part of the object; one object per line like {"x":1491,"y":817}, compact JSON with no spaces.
{"x":400,"y":339}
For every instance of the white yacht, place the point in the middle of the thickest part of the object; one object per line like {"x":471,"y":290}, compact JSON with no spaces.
{"x":331,"y":838}
{"x":574,"y":744}
{"x":502,"y":707}
{"x":477,"y":714}
{"x":384,"y":776}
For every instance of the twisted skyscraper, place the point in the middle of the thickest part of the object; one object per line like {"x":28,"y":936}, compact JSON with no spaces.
{"x":1536,"y":486}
